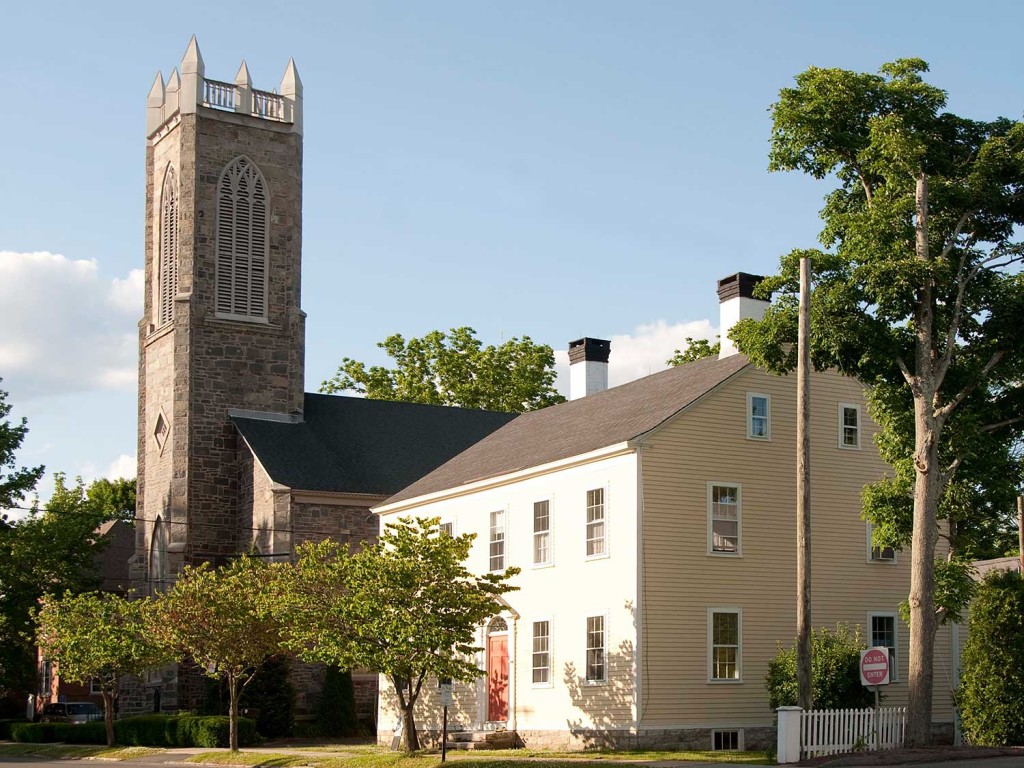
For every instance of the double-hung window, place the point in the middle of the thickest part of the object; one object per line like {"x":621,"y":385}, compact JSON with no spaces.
{"x":542,"y":533}
{"x":883,"y":635}
{"x":446,"y":529}
{"x":596,"y":545}
{"x":46,"y":677}
{"x":497,"y":541}
{"x":758,"y":416}
{"x":541,"y":653}
{"x":597,"y":663}
{"x":879,"y":554}
{"x":849,"y":425}
{"x":724,"y":518}
{"x":724,"y":633}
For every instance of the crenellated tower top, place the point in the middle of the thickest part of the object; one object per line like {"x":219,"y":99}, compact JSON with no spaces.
{"x":192,"y":90}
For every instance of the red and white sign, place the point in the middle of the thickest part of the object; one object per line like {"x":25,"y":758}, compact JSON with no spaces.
{"x":874,"y":666}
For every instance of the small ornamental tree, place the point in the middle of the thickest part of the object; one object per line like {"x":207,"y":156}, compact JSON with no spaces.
{"x":406,"y":606}
{"x":991,"y":694}
{"x":835,"y":672}
{"x":219,"y":619}
{"x":98,"y":636}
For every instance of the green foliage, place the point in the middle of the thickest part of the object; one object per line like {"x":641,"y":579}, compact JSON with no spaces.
{"x":5,"y":727}
{"x":696,"y":349}
{"x":272,"y":695}
{"x":14,"y":483}
{"x":919,"y":296}
{"x":336,"y":706}
{"x":955,"y":587}
{"x":835,"y":672}
{"x":144,"y":731}
{"x":98,"y":636}
{"x":219,"y":619}
{"x":405,"y":606}
{"x":48,"y":552}
{"x":455,"y":369}
{"x":991,"y":694}
{"x":114,"y":499}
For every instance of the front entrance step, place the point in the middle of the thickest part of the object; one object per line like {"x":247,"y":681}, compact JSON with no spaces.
{"x":482,"y":740}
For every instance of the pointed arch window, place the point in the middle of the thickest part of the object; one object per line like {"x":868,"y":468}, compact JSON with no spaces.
{"x":158,"y":570}
{"x":242,"y":242}
{"x":167,"y":264}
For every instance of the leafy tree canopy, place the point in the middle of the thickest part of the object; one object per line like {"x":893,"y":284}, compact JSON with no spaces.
{"x":219,"y":618}
{"x":406,"y":606}
{"x":15,"y":483}
{"x":456,"y":369}
{"x":114,"y":499}
{"x":695,"y":349}
{"x":97,"y":636}
{"x":918,"y":295}
{"x":50,"y":551}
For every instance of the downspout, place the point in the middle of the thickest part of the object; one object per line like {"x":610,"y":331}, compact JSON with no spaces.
{"x":638,"y":666}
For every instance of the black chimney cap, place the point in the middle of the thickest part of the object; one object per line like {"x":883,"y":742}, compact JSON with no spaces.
{"x":741,"y":284}
{"x":593,"y":350}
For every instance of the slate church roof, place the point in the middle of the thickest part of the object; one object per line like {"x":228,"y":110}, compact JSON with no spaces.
{"x":354,"y":445}
{"x":579,"y":426}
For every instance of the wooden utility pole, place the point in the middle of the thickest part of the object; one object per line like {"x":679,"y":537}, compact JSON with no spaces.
{"x":1020,"y":530}
{"x":803,"y":493}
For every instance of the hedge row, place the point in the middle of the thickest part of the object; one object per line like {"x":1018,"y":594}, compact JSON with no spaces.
{"x":5,"y":727}
{"x":144,"y":731}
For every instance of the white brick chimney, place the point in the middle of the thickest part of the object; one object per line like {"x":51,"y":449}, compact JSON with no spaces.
{"x":588,"y":366}
{"x":736,"y":302}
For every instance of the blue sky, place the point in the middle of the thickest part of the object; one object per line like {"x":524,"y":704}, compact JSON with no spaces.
{"x":554,"y":169}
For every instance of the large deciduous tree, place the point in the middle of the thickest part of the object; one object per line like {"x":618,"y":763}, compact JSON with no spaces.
{"x":406,"y":606}
{"x":917,"y":295}
{"x":15,"y":483}
{"x":100,"y":637}
{"x":454,"y":368}
{"x":220,"y":620}
{"x":47,"y":552}
{"x":695,"y":349}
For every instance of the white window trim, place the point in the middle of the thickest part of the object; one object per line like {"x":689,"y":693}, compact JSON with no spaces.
{"x":586,"y":632}
{"x":739,"y":519}
{"x":750,"y":416}
{"x":894,"y":670}
{"x":551,"y":535}
{"x":551,"y":658}
{"x":264,"y":318}
{"x":739,"y":739}
{"x":607,"y":519}
{"x":870,"y":553}
{"x":448,"y":522}
{"x":46,"y":678}
{"x":711,"y":645}
{"x":504,"y":530}
{"x":860,"y":426}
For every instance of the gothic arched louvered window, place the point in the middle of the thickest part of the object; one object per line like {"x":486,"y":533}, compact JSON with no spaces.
{"x":167,"y":265}
{"x":242,"y":202}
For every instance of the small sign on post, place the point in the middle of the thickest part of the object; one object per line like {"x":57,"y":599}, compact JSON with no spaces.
{"x":444,"y":692}
{"x":874,"y":671}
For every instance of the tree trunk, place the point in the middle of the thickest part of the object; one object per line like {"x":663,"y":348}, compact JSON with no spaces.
{"x":410,"y":740}
{"x":233,"y":714}
{"x":923,"y":620}
{"x":108,"y":715}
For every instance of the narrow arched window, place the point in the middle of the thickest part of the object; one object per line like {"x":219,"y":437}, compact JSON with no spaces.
{"x":158,"y":570}
{"x":242,"y":202}
{"x":167,"y":264}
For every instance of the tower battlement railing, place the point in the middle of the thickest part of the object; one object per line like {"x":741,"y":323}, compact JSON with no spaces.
{"x":191,"y":90}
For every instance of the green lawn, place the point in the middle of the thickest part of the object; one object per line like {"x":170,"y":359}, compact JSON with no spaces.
{"x":69,"y":751}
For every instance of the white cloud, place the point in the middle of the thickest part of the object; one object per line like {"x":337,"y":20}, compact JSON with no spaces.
{"x":123,"y":466}
{"x":66,"y":329}
{"x":642,"y":352}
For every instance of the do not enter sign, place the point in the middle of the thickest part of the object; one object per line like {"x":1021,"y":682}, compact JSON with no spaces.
{"x":874,"y":666}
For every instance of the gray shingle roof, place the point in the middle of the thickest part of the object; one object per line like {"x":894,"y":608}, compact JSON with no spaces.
{"x":354,"y":445}
{"x":579,"y":426}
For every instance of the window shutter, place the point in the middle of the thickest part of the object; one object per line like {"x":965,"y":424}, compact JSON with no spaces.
{"x":242,"y":241}
{"x":167,"y":265}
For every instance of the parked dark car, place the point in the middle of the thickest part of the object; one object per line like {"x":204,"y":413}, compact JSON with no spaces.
{"x":75,"y":712}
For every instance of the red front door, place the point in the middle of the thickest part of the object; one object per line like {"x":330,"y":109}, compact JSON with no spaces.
{"x":497,"y":678}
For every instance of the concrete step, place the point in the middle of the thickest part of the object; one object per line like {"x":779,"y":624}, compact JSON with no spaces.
{"x":482,"y":740}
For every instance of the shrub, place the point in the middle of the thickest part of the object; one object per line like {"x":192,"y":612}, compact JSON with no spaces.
{"x":991,"y":694}
{"x":835,"y":672}
{"x":336,"y":707}
{"x":144,"y":731}
{"x":271,"y":696}
{"x":5,"y":727}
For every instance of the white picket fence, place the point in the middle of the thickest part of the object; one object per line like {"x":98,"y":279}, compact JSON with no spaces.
{"x":833,"y":731}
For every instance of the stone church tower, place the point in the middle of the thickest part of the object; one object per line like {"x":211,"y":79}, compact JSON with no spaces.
{"x":223,"y":326}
